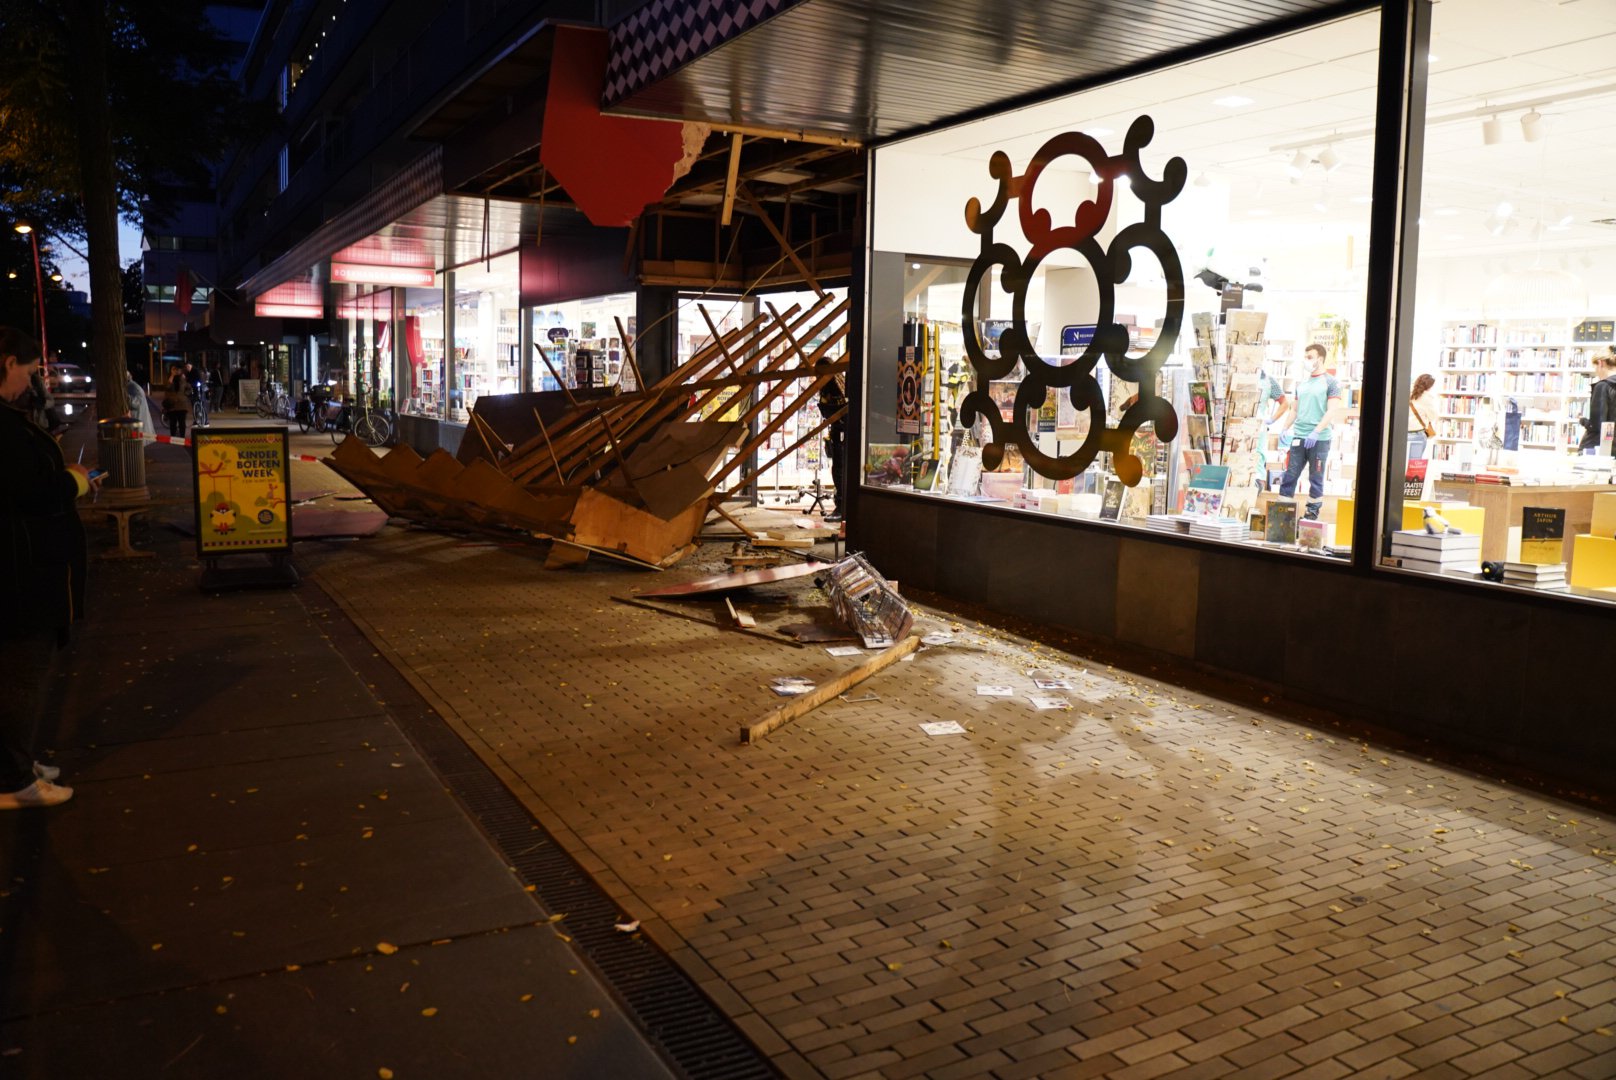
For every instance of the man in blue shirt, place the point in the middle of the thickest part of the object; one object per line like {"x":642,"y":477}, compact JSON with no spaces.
{"x":1319,"y":407}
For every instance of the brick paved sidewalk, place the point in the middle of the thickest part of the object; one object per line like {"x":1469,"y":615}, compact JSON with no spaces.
{"x":1155,"y":883}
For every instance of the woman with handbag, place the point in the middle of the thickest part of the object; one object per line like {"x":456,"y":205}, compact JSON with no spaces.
{"x":1422,"y":411}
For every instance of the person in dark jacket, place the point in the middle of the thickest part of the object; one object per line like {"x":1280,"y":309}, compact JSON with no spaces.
{"x":43,"y":559}
{"x":1601,"y":401}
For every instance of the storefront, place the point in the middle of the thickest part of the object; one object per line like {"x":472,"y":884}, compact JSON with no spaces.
{"x":1138,"y":361}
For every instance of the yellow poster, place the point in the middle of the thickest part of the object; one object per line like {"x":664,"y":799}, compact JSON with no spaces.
{"x":242,"y":477}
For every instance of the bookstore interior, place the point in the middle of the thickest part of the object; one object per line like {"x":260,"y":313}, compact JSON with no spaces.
{"x":1172,"y":301}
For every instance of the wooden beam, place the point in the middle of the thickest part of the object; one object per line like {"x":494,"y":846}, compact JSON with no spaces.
{"x":628,"y":353}
{"x":785,"y":245}
{"x":729,"y":185}
{"x":801,"y":706}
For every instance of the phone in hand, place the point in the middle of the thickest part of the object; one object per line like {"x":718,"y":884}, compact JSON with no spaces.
{"x":96,"y":474}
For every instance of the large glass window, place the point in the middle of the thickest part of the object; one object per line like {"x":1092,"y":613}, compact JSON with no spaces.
{"x":1201,"y":377}
{"x":582,"y":343}
{"x":423,"y":352}
{"x":486,"y":334}
{"x":1510,"y":380}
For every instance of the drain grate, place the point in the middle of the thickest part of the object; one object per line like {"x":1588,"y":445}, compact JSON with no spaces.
{"x":695,"y":1038}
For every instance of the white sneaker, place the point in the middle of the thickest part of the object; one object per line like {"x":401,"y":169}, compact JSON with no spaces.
{"x":46,"y":772}
{"x":39,"y":793}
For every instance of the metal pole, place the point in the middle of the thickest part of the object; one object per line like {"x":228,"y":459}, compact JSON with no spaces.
{"x":39,"y":293}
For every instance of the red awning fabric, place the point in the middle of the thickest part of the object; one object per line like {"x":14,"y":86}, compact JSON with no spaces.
{"x":611,"y":166}
{"x":182,"y":291}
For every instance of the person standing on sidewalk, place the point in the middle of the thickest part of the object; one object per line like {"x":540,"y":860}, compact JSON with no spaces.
{"x":177,"y":404}
{"x":43,"y":557}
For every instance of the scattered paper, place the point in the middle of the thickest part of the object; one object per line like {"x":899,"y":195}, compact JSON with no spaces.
{"x":1053,"y":684}
{"x":941,"y":637}
{"x":943,"y":727}
{"x":628,"y":927}
{"x":995,"y":691}
{"x":791,"y":685}
{"x":845,"y":650}
{"x":1042,"y":703}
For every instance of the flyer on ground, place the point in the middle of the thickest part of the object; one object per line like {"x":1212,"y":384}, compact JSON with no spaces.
{"x":242,"y":477}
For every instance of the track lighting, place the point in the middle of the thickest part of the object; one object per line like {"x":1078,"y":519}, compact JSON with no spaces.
{"x":1329,"y":159}
{"x":1298,"y":164}
{"x":1492,"y":132}
{"x":1532,"y":126}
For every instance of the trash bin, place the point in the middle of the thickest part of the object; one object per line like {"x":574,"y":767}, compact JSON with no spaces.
{"x":122,"y":453}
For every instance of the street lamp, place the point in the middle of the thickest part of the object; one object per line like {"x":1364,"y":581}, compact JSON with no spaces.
{"x":39,"y":287}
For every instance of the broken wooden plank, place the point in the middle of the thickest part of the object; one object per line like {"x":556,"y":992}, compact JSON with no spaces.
{"x":801,"y":706}
{"x":777,"y":639}
{"x":741,"y":618}
{"x":725,"y":582}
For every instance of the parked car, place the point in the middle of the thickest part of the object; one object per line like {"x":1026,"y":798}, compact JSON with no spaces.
{"x":68,"y":379}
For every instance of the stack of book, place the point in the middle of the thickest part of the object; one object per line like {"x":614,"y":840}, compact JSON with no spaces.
{"x":1550,"y":577}
{"x":1168,"y":523}
{"x":1438,"y":553}
{"x":1218,"y":528}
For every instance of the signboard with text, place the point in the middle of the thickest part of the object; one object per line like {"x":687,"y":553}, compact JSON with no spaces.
{"x":242,"y":480}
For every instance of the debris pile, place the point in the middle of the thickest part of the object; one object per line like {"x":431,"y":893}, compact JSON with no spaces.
{"x":631,"y":475}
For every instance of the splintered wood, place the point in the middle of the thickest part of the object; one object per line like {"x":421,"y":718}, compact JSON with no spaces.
{"x":632,"y":475}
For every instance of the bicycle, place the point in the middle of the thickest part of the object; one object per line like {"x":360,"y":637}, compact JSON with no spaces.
{"x":199,"y":407}
{"x":271,"y":401}
{"x":370,"y":425}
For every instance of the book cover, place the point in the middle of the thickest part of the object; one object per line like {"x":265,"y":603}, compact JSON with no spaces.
{"x":1542,"y":534}
{"x":886,"y":463}
{"x":1312,"y":535}
{"x":1003,"y":393}
{"x":1111,"y":505}
{"x":1200,"y":398}
{"x":1280,"y":526}
{"x":1414,"y":479}
{"x":1246,"y":327}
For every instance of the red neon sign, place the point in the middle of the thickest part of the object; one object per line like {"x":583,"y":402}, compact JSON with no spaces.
{"x":361,"y":274}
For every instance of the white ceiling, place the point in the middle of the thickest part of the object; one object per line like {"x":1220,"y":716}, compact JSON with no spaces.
{"x":1317,"y":87}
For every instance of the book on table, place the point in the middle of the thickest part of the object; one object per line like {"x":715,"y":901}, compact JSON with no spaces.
{"x":1279,"y":527}
{"x":1542,"y":534}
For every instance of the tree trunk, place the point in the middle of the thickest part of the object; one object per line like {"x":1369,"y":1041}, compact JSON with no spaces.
{"x":88,"y":22}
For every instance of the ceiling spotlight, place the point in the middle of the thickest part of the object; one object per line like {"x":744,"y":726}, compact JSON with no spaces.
{"x":1503,"y":210}
{"x":1532,"y":126}
{"x":1203,"y":180}
{"x":1329,"y":159}
{"x":1560,"y":217}
{"x":1495,"y":224}
{"x":1298,"y":164}
{"x":1492,"y":132}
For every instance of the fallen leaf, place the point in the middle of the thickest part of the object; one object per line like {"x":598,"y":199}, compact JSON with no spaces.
{"x":429,"y":1011}
{"x":385,"y":948}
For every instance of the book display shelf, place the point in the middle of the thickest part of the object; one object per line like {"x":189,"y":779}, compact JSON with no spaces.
{"x":1537,"y":365}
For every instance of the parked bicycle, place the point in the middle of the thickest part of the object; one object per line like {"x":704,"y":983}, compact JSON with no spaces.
{"x":370,"y":425}
{"x":199,"y":405}
{"x":272,"y":401}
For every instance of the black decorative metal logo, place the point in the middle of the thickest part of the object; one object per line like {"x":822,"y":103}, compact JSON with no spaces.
{"x":1111,"y":267}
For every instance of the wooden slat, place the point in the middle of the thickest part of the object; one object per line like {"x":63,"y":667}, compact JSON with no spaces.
{"x":801,"y":706}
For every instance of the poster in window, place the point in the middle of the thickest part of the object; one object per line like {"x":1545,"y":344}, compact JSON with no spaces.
{"x":909,"y":390}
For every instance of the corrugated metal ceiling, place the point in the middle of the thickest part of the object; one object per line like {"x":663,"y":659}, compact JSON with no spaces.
{"x":878,"y":68}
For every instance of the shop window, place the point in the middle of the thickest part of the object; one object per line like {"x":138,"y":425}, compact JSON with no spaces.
{"x":1505,"y":399}
{"x":1166,"y":338}
{"x":581,"y":343}
{"x":486,"y":334}
{"x":423,"y":353}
